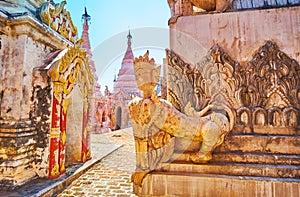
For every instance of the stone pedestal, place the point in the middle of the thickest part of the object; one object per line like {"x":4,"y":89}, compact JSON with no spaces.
{"x":204,"y":185}
{"x":247,"y":61}
{"x":244,"y":165}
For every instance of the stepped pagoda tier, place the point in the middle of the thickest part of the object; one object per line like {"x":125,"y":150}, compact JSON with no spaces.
{"x":126,"y":77}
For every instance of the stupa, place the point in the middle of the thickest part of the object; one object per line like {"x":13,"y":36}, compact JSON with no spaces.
{"x":126,"y":79}
{"x":125,"y":88}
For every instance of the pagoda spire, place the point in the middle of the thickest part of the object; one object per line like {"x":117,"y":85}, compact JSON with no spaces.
{"x":126,"y":78}
{"x":86,"y":40}
{"x":128,"y":55}
{"x":129,"y":37}
{"x":85,"y":31}
{"x":86,"y":19}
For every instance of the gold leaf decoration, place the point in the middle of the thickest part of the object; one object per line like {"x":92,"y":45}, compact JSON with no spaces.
{"x":59,"y":19}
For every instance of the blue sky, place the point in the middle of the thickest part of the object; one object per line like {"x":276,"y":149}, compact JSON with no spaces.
{"x":110,"y":21}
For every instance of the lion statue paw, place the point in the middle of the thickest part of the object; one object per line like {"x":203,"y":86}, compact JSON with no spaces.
{"x":138,"y":177}
{"x":200,"y":157}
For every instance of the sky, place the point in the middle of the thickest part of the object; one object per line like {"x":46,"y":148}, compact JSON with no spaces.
{"x":109,"y":26}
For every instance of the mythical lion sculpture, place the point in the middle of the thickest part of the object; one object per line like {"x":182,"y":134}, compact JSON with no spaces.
{"x":208,"y":5}
{"x":212,"y":5}
{"x":156,"y":124}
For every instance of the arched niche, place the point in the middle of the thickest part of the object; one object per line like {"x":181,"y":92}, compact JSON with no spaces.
{"x":118,"y":118}
{"x":275,"y":117}
{"x":260,"y":117}
{"x":74,"y":121}
{"x":72,"y":83}
{"x":291,"y":117}
{"x":244,"y":116}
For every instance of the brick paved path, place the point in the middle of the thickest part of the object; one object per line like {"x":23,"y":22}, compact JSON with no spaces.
{"x":110,"y":177}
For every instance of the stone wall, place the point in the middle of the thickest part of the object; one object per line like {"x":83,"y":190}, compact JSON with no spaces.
{"x":17,"y":153}
{"x":239,"y":34}
{"x":35,"y":55}
{"x":24,"y":99}
{"x":23,"y":111}
{"x":41,"y":118}
{"x":12,"y":61}
{"x":19,"y":55}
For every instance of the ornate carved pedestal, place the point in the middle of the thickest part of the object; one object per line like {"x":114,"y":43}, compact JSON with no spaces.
{"x":260,"y":154}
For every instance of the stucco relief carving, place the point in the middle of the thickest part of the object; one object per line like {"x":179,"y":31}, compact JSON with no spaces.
{"x":272,"y":90}
{"x":59,"y":19}
{"x":67,"y":76}
{"x":265,"y":93}
{"x":271,"y":75}
{"x":156,"y":123}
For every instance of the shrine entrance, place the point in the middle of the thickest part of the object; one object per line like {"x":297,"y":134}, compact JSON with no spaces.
{"x":119,"y":118}
{"x":74,"y":127}
{"x":72,"y":82}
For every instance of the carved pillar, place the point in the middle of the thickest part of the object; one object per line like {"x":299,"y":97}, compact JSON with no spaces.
{"x":91,"y":114}
{"x":63,"y":136}
{"x":85,"y":133}
{"x":55,"y":131}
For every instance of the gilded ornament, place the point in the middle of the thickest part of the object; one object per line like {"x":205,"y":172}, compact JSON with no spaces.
{"x":208,"y":5}
{"x":146,"y":78}
{"x":88,"y":154}
{"x":55,"y":170}
{"x":59,"y":19}
{"x":65,"y":105}
{"x":68,"y":87}
{"x":62,"y":167}
{"x":55,"y":133}
{"x":63,"y":138}
{"x":57,"y":91}
{"x":72,"y":69}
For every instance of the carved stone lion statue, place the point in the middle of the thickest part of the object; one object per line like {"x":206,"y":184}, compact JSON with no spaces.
{"x":208,"y":5}
{"x":212,"y":5}
{"x":156,"y":124}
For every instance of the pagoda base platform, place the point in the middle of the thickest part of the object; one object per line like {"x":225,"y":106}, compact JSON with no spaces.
{"x":207,"y":185}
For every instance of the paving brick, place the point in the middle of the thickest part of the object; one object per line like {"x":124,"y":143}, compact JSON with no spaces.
{"x":110,"y":177}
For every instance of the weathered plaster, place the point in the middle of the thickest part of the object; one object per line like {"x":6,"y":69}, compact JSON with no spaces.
{"x":239,"y":33}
